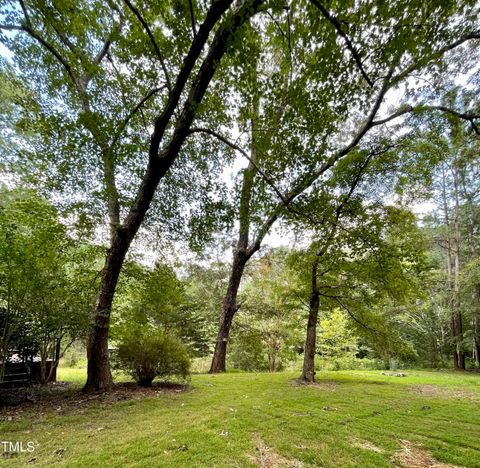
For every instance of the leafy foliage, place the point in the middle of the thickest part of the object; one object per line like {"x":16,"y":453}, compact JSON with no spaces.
{"x":46,"y":284}
{"x":146,"y":354}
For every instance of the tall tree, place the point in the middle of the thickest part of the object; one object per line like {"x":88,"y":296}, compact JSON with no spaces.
{"x":370,"y":260}
{"x":96,"y":53}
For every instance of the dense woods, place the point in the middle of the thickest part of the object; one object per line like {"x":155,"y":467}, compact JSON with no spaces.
{"x":244,"y":185}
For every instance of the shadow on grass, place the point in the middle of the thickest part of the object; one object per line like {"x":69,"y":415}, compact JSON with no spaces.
{"x":65,"y":398}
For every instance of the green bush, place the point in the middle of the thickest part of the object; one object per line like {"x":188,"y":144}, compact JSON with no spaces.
{"x":146,"y":354}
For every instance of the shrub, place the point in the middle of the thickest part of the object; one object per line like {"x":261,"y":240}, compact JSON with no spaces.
{"x":146,"y":354}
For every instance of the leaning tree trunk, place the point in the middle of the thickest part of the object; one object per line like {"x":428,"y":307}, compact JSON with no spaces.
{"x":308,"y":372}
{"x":99,"y":376}
{"x":230,"y":307}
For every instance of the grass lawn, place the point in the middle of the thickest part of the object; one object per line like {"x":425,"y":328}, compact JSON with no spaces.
{"x":349,"y":419}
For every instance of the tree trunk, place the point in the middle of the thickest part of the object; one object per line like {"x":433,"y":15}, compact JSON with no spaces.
{"x":453,"y":272}
{"x":58,"y":354}
{"x":44,"y":353}
{"x":459,"y":341}
{"x":457,"y":253}
{"x":52,"y":373}
{"x":456,"y":364}
{"x":241,"y":256}
{"x":477,"y":343}
{"x":476,"y":328}
{"x":458,"y":352}
{"x":230,"y":307}
{"x":99,"y":377}
{"x":308,"y":372}
{"x":273,"y":362}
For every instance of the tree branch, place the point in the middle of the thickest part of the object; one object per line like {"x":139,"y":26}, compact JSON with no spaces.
{"x":192,"y":17}
{"x":468,"y":116}
{"x":28,"y":28}
{"x":244,"y":154}
{"x":25,"y":12}
{"x":304,"y":303}
{"x":339,"y":209}
{"x":398,"y":113}
{"x":421,"y":63}
{"x":140,"y":18}
{"x":159,"y":164}
{"x":132,"y":113}
{"x":11,"y":27}
{"x":302,"y":185}
{"x":54,"y":52}
{"x":338,"y":27}
{"x":214,"y":14}
{"x":106,"y":45}
{"x":349,"y":312}
{"x":66,"y":41}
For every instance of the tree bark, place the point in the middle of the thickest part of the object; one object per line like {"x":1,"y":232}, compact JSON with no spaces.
{"x":476,"y":325}
{"x":52,"y":373}
{"x":230,"y":308}
{"x":43,"y":362}
{"x":308,"y":372}
{"x":99,"y":376}
{"x":459,"y":358}
{"x":476,"y":339}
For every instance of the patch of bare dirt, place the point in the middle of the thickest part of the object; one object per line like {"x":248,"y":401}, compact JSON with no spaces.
{"x":265,"y":457}
{"x":438,"y":391}
{"x":62,"y":398}
{"x":413,"y":456}
{"x":327,"y":385}
{"x":365,"y":444}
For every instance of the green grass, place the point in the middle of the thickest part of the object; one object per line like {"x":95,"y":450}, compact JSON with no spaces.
{"x":314,"y":426}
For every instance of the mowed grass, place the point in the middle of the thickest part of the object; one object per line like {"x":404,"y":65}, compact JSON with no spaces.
{"x":221,"y":420}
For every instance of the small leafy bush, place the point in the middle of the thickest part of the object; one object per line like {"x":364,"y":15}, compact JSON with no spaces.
{"x":146,"y":354}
